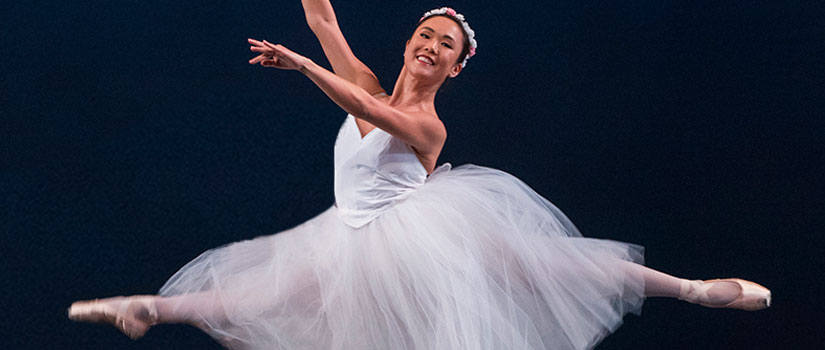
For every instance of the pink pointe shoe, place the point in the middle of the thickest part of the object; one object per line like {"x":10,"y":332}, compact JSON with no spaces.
{"x":752,"y":296}
{"x":132,"y":315}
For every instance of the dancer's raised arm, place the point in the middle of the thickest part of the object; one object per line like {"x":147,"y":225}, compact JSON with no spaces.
{"x":420,"y":131}
{"x":321,"y":19}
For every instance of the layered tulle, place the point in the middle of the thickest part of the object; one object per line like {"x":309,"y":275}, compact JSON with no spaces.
{"x":472,"y":259}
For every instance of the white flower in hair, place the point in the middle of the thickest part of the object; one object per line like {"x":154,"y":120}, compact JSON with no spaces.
{"x":467,"y":30}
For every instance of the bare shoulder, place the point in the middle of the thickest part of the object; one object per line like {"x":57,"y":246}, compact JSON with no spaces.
{"x":437,"y":136}
{"x":438,"y":130}
{"x":428,"y":159}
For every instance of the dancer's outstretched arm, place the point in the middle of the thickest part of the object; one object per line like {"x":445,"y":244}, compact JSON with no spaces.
{"x":321,"y":19}
{"x":420,"y":131}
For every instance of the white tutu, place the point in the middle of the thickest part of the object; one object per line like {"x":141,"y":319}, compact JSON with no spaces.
{"x":472,"y":258}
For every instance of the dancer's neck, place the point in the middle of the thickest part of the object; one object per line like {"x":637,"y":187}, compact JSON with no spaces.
{"x":410,"y":93}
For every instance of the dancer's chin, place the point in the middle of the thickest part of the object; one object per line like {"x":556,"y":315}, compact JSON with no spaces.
{"x":424,"y":73}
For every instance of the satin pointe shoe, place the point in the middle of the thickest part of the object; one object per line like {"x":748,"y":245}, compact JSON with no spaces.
{"x":752,"y":296}
{"x":131,"y":315}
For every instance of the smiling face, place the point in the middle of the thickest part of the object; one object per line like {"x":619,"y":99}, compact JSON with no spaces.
{"x":435,"y":48}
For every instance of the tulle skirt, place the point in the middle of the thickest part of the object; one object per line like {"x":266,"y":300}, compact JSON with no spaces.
{"x":473,"y":259}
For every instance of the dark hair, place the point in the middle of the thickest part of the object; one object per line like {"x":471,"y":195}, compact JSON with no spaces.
{"x":466,"y":48}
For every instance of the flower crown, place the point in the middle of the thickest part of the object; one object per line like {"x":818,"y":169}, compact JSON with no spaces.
{"x":470,"y":33}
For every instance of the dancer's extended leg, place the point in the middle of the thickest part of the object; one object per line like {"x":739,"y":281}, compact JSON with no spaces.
{"x":732,"y":293}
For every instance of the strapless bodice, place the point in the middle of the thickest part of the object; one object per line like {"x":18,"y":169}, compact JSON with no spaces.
{"x":372,"y":173}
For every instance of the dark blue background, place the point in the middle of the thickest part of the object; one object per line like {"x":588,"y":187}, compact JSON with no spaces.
{"x":135,"y":136}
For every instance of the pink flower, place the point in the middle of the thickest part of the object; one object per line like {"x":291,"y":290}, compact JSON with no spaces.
{"x":472,"y":52}
{"x":451,"y":12}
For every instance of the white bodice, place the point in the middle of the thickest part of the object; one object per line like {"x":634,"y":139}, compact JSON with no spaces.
{"x":372,"y":173}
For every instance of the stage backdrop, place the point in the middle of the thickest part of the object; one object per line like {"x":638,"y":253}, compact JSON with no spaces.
{"x":135,"y":136}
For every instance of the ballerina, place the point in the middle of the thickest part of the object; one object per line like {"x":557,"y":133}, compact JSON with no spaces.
{"x":410,"y":256}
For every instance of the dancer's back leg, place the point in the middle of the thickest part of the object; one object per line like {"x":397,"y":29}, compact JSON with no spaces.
{"x":733,"y":293}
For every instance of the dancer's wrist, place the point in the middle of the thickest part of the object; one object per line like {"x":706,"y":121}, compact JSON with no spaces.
{"x":306,"y":66}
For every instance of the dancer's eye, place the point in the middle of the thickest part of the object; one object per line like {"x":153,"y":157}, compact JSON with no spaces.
{"x":447,"y":45}
{"x":425,"y":36}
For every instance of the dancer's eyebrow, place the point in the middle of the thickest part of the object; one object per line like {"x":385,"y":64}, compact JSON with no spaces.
{"x":444,"y":36}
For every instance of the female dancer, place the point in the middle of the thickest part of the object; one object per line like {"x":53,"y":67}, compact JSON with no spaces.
{"x":410,"y":256}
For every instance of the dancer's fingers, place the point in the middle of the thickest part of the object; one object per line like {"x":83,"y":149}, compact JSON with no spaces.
{"x":271,"y":45}
{"x":254,"y":42}
{"x":271,"y":62}
{"x":258,"y":59}
{"x":259,"y":49}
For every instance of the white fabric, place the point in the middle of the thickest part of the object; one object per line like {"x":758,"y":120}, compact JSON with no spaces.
{"x":372,"y":173}
{"x":466,"y":258}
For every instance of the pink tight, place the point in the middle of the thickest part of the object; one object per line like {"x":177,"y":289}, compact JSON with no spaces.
{"x":185,"y":308}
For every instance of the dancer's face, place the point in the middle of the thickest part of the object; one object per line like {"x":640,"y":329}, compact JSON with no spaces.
{"x":434,"y":49}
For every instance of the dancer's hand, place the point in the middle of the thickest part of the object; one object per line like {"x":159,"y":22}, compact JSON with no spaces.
{"x":277,"y":56}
